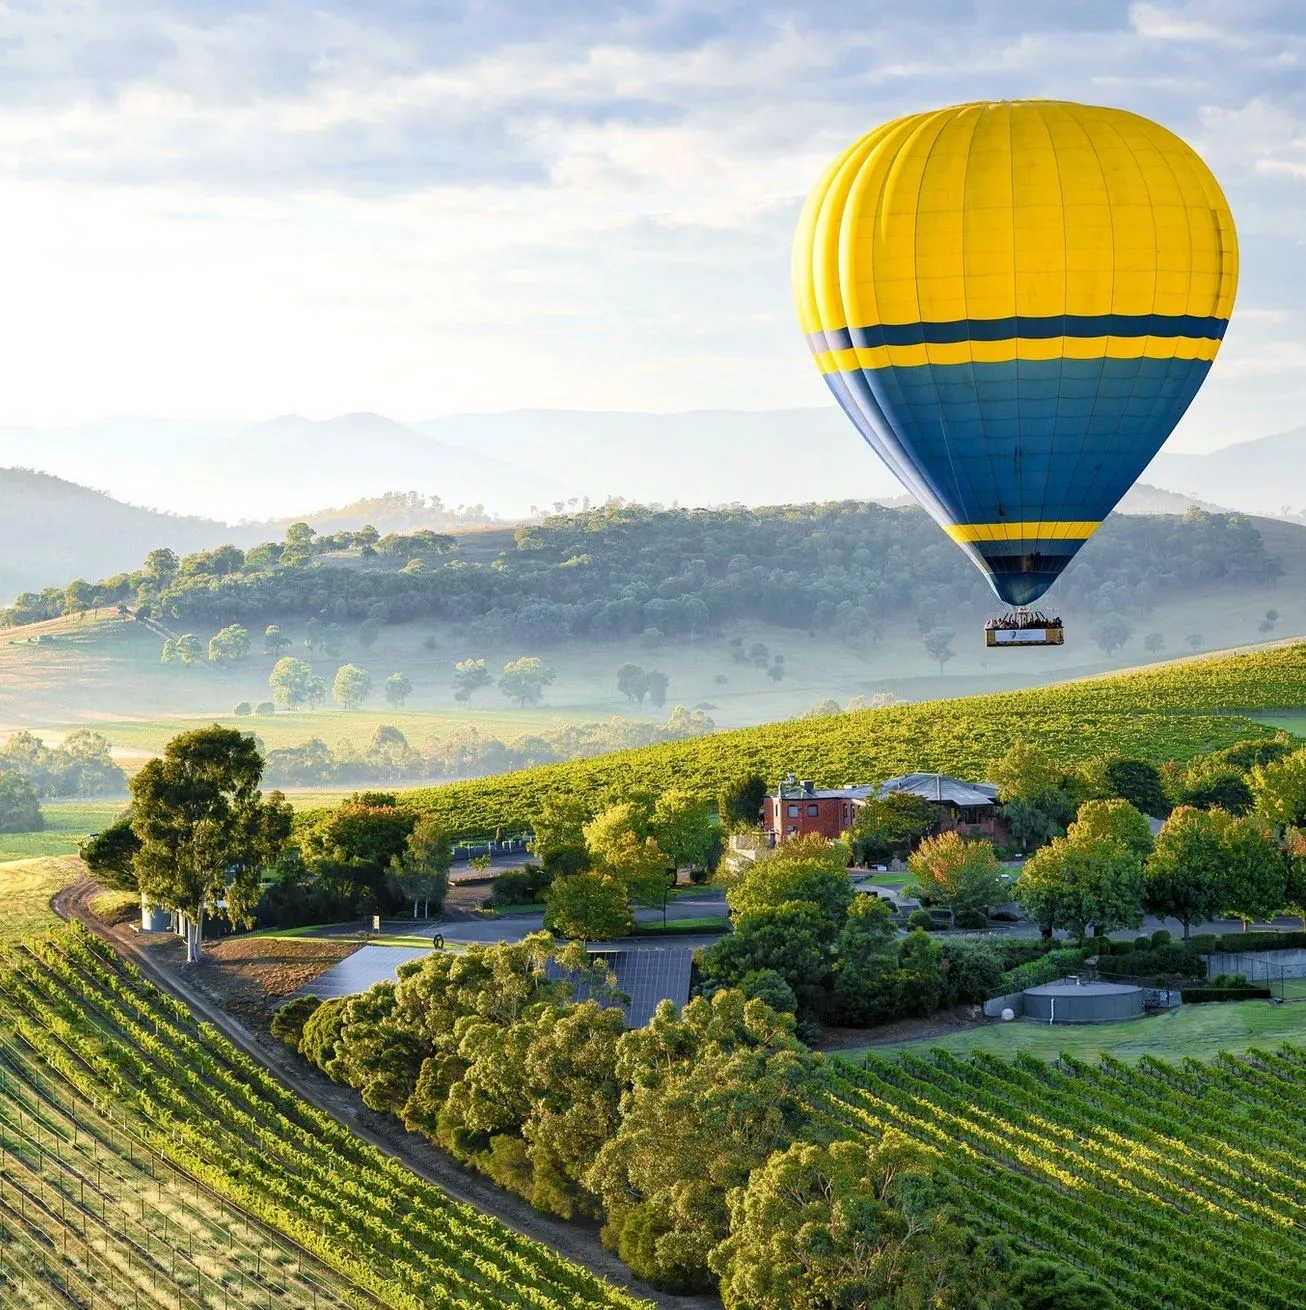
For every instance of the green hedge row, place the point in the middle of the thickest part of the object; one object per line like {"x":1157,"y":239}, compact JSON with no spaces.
{"x":1200,"y":995}
{"x":1178,"y":959}
{"x":1047,"y":968}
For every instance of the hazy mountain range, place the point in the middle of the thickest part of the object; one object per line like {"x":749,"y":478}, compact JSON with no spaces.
{"x":510,"y":462}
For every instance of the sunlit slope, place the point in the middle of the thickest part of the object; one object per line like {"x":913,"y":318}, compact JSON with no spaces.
{"x":1170,"y":712}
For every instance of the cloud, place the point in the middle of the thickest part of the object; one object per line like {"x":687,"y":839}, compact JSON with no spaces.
{"x":253,"y":208}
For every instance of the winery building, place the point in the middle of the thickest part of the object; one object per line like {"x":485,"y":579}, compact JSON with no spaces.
{"x":798,"y":808}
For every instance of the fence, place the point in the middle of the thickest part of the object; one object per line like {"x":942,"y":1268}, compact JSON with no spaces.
{"x":1285,"y":977}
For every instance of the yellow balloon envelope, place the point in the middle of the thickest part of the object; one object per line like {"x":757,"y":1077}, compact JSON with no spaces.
{"x":1015,"y":303}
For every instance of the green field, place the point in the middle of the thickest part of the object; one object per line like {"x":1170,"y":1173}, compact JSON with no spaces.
{"x":150,"y":1163}
{"x":26,"y":887}
{"x":144,"y":737}
{"x":1198,"y":1032}
{"x":1174,"y":1184}
{"x":66,"y":823}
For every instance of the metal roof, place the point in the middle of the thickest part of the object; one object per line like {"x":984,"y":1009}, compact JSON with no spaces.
{"x":932,"y":786}
{"x":648,"y":975}
{"x":940,"y":787}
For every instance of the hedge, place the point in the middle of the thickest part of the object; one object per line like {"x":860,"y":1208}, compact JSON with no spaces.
{"x":1239,"y":943}
{"x":1199,"y":995}
{"x":1178,"y":959}
{"x":1048,"y":968}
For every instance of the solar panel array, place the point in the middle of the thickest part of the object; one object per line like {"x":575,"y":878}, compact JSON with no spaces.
{"x":648,"y":975}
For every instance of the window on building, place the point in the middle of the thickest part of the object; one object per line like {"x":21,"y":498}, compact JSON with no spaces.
{"x":793,"y":811}
{"x":972,"y":814}
{"x":813,"y":811}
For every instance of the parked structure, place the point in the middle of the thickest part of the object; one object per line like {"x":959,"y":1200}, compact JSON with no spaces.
{"x":797,"y":808}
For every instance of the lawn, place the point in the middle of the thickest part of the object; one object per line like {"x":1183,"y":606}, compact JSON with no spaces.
{"x":26,"y":887}
{"x":1198,"y":1031}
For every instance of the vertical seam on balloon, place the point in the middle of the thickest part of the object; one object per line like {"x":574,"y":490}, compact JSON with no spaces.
{"x":1106,"y":204}
{"x":1015,"y":305}
{"x":930,"y":369}
{"x":965,"y":299}
{"x":1141,"y":371}
{"x":1065,"y":273}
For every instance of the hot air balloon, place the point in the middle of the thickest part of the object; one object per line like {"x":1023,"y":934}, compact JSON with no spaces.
{"x":1015,"y":302}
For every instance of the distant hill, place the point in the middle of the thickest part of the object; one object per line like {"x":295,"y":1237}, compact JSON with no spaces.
{"x":293,"y":467}
{"x":57,"y":530}
{"x":256,"y":470}
{"x":1259,"y":477}
{"x":698,"y":457}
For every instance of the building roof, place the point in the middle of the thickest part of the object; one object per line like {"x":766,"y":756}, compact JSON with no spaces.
{"x":791,"y":790}
{"x":940,"y":787}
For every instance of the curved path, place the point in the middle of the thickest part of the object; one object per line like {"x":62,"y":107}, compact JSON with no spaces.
{"x":576,"y":1242}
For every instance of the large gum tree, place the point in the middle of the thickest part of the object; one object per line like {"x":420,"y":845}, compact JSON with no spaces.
{"x":206,"y":832}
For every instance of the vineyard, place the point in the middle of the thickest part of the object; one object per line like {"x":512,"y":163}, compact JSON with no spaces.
{"x":145,"y":1162}
{"x":1175,"y":1185}
{"x":1171,"y":712}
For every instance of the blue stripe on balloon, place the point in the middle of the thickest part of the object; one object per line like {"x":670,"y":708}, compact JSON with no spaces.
{"x":1005,"y":329}
{"x":1020,"y":441}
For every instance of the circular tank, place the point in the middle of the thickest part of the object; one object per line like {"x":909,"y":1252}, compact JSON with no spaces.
{"x":1069,"y":1002}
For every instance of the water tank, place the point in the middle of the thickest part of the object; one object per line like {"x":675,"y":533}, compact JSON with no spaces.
{"x":154,"y":918}
{"x":1072,"y":1002}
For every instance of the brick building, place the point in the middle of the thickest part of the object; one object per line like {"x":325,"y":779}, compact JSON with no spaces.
{"x":797,"y":808}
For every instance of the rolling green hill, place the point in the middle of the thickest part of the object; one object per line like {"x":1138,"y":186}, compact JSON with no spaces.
{"x":1175,"y":711}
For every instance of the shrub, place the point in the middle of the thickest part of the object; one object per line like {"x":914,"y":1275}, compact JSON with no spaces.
{"x":1238,"y":943}
{"x":1055,"y":964}
{"x":1142,"y":943}
{"x":1015,"y":951}
{"x":243,"y":708}
{"x":972,"y":919}
{"x":524,"y":886}
{"x":972,"y":971}
{"x":288,"y":1022}
{"x":769,"y":986}
{"x":920,"y":919}
{"x":1161,"y":937}
{"x":265,"y":707}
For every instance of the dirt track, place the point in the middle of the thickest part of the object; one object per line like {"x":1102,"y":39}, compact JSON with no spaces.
{"x":577,"y":1242}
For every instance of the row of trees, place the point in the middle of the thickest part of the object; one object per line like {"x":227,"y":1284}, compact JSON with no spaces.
{"x":80,"y":765}
{"x":295,"y":686}
{"x":686,"y":1138}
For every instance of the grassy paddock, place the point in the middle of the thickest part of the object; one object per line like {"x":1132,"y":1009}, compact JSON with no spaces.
{"x":1197,"y":1031}
{"x":66,"y":823}
{"x":26,"y":887}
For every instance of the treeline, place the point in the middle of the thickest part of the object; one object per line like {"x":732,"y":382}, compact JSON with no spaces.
{"x":79,"y":766}
{"x":692,"y":1139}
{"x":844,"y":568}
{"x":467,"y":752}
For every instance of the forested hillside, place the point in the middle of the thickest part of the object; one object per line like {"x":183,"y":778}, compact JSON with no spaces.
{"x":849,"y":569}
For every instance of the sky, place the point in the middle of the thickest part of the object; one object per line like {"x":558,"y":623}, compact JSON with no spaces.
{"x":234,"y":210}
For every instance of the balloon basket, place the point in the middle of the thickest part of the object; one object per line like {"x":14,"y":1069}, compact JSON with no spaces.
{"x":1024,"y":627}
